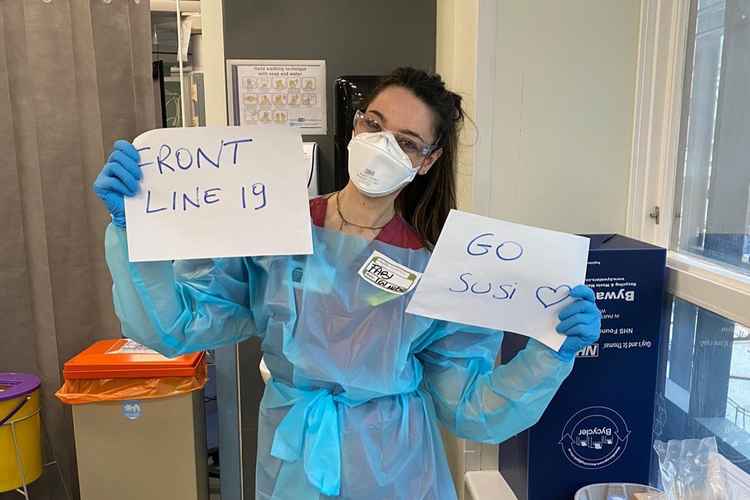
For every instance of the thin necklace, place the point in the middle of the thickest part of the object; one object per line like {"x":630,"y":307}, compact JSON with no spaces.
{"x":344,"y":220}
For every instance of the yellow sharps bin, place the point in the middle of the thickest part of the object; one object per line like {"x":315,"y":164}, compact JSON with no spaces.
{"x":20,"y":449}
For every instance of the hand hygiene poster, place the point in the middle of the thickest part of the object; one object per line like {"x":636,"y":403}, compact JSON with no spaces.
{"x":219,"y":192}
{"x":282,"y":92}
{"x":500,"y":275}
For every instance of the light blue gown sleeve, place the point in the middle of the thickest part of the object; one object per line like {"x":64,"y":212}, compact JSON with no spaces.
{"x":187,"y":306}
{"x":477,"y":400}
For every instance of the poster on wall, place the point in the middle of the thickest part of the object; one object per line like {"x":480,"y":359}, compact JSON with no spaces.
{"x":278,"y":92}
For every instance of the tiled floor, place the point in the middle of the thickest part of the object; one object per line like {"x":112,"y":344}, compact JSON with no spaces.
{"x":49,"y":487}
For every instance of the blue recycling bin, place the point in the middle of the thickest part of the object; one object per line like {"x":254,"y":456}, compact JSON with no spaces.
{"x":598,"y":428}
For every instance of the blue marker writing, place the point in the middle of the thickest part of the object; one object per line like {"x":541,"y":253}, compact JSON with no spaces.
{"x":485,"y":247}
{"x":259,"y":191}
{"x":466,"y":284}
{"x":505,"y":291}
{"x":200,"y":154}
{"x":148,"y":204}
{"x":505,"y":250}
{"x":236,"y":144}
{"x":161,"y":158}
{"x":186,"y":155}
{"x":509,"y":250}
{"x":185,"y":201}
{"x":146,"y":148}
{"x":210,"y":193}
{"x":476,"y":291}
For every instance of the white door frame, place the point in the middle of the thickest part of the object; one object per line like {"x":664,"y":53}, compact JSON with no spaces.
{"x":486,"y":51}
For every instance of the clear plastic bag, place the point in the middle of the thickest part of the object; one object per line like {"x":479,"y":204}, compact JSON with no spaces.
{"x":692,"y":469}
{"x":735,"y":481}
{"x":618,"y":491}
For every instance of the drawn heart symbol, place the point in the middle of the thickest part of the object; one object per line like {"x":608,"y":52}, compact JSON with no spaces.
{"x":549,"y":296}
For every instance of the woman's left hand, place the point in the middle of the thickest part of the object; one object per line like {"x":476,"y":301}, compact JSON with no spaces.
{"x":581,"y":321}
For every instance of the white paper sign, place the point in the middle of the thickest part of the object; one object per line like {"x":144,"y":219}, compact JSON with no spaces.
{"x":500,"y":275}
{"x":219,"y":192}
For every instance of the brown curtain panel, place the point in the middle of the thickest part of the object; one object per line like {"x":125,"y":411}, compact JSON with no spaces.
{"x":74,"y":76}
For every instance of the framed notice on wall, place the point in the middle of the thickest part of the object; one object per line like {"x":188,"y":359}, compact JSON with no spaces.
{"x":278,"y":92}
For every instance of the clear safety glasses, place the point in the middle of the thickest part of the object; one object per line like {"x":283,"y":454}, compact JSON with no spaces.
{"x":414,"y":149}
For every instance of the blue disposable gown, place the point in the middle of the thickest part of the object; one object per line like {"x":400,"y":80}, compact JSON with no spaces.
{"x":358,"y":386}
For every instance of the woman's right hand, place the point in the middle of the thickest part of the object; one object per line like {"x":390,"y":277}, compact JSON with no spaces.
{"x":119,"y":177}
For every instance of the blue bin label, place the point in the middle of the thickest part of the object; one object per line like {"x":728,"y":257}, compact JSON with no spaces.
{"x":131,"y":409}
{"x":595,"y":437}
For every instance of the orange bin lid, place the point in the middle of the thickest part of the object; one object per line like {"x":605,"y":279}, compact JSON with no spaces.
{"x":124,"y":358}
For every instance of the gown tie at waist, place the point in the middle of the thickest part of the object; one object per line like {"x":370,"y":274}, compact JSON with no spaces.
{"x":311,"y":427}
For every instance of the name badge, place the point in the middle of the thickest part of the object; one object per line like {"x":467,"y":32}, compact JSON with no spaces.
{"x":385,"y":273}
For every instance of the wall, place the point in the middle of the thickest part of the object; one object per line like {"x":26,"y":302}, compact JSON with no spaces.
{"x":548,"y":87}
{"x":563,"y":113}
{"x":354,"y":37}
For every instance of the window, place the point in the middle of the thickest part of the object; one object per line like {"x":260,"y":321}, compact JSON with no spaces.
{"x":704,"y":387}
{"x":712,"y":208}
{"x":690,"y":192}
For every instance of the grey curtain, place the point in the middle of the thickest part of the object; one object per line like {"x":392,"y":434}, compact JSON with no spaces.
{"x":74,"y":76}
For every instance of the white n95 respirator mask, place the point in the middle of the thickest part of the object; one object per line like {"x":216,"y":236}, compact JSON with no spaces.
{"x":377,"y":165}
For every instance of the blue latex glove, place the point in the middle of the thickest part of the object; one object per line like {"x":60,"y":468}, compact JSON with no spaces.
{"x":119,"y":177}
{"x":581,"y":321}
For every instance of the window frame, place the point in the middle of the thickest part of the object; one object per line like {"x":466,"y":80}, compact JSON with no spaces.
{"x":659,"y":106}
